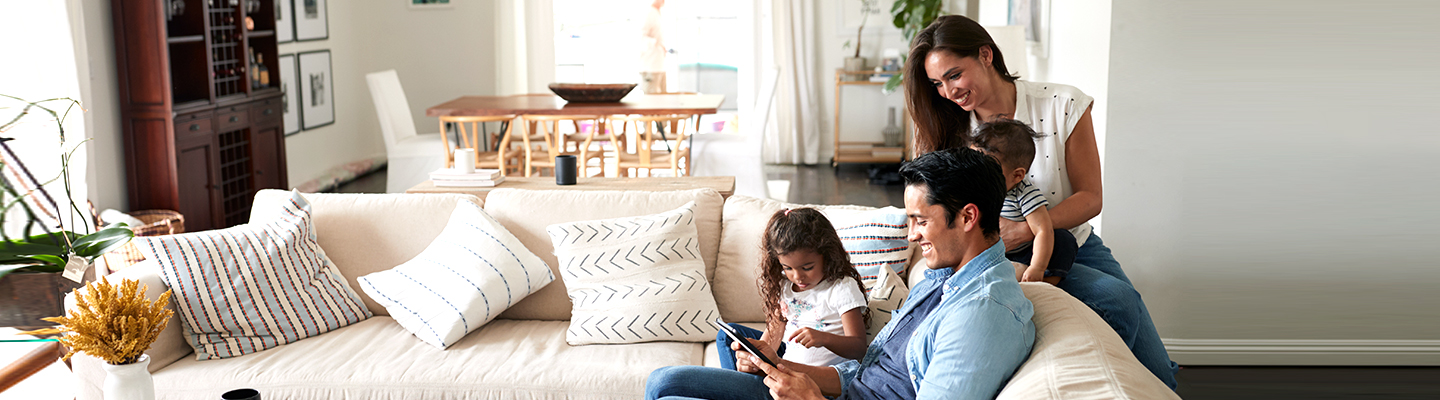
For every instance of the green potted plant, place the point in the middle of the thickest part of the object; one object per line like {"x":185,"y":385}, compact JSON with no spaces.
{"x":32,"y":264}
{"x":911,"y":16}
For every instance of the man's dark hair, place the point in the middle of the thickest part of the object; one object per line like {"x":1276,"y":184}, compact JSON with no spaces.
{"x":1011,"y":140}
{"x":956,"y":177}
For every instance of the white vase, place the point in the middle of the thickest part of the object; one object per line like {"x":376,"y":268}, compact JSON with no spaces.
{"x":129,"y":381}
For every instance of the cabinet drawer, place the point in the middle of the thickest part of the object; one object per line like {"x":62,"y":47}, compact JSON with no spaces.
{"x":190,"y":125}
{"x":265,"y":112}
{"x":232,"y":118}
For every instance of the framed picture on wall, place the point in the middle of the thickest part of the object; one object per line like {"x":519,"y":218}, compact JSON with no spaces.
{"x":428,"y":4}
{"x":311,"y":20}
{"x":284,"y":21}
{"x":317,"y":98}
{"x":291,"y":100}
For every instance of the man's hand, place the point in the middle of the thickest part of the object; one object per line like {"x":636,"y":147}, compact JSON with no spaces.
{"x":809,"y":338}
{"x":746,"y":363}
{"x":785,"y":383}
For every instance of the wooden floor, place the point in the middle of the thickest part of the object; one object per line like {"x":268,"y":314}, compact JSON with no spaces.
{"x":850,"y":184}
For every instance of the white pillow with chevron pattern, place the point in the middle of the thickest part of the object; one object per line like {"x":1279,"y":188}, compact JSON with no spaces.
{"x":471,"y":272}
{"x":635,"y":279}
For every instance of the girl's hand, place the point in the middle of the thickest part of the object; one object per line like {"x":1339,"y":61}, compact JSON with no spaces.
{"x":746,"y":363}
{"x":809,"y":338}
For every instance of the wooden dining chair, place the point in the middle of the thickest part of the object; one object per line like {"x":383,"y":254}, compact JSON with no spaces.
{"x":469,"y":134}
{"x":555,"y":142}
{"x":651,"y":151}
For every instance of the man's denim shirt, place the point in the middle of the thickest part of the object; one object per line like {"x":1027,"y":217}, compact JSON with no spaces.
{"x":973,"y":341}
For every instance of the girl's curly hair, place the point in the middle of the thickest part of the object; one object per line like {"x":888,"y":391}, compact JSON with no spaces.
{"x":800,"y":229}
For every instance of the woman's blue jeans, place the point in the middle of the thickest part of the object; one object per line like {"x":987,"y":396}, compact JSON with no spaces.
{"x":1097,"y":280}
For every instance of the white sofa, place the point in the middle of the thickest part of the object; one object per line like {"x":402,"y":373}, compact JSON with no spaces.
{"x":524,"y":354}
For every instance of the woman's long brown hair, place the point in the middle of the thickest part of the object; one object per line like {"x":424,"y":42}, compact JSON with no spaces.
{"x":939,"y":122}
{"x":793,"y":230}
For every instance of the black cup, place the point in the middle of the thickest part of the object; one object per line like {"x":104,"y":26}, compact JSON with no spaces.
{"x":241,"y":394}
{"x":565,"y":170}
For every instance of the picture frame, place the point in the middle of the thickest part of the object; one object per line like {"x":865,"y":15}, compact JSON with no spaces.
{"x":290,"y":101}
{"x":311,"y":20}
{"x":317,"y":96}
{"x":429,"y":4}
{"x":1034,"y":15}
{"x":284,"y":21}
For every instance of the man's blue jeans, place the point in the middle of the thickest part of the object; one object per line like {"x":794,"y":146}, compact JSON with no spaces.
{"x":1097,"y":280}
{"x":696,"y":382}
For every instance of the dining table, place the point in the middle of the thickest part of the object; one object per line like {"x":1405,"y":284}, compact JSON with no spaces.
{"x":549,"y":104}
{"x":635,"y":103}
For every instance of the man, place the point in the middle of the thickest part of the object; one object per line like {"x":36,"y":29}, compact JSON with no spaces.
{"x":962,"y":333}
{"x":652,"y":55}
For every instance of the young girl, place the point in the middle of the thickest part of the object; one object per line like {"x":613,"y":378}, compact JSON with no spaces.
{"x":810,"y":289}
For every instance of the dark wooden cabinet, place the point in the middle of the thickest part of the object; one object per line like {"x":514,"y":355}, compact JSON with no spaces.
{"x":201,"y":134}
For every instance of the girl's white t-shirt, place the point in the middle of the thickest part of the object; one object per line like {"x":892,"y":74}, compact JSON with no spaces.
{"x":819,"y":309}
{"x":1052,"y":110}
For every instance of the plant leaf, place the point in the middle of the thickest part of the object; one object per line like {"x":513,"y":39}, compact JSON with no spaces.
{"x":894,"y":82}
{"x":103,"y":241}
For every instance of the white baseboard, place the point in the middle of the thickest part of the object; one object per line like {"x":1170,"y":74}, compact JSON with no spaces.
{"x":1304,"y":352}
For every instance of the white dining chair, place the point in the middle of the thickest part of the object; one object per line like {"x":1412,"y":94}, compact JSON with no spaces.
{"x":412,"y":157}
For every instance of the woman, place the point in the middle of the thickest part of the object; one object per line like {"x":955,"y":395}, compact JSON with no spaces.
{"x":955,"y":79}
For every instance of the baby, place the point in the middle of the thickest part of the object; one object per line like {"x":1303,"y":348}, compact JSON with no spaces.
{"x":1012,"y":143}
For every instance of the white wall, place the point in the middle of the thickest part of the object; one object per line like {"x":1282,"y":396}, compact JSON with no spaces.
{"x":440,"y":55}
{"x":100,"y":92}
{"x":1269,"y":177}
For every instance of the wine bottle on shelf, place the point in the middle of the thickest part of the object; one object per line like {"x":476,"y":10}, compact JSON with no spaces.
{"x":254,"y":72}
{"x":262,"y":70}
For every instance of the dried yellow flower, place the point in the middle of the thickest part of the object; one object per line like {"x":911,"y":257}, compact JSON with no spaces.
{"x":115,"y":324}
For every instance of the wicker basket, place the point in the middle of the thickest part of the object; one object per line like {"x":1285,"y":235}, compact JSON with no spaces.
{"x":155,"y":223}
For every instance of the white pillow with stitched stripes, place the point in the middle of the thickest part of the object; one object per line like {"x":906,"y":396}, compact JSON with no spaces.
{"x":635,"y":279}
{"x":471,"y":272}
{"x":251,"y":287}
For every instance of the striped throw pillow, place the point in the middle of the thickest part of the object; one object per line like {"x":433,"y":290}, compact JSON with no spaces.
{"x":875,"y":239}
{"x":474,"y":270}
{"x":635,"y":279}
{"x":252,"y":287}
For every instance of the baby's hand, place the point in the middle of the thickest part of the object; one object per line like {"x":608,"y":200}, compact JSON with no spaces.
{"x":1033,"y":275}
{"x":807,"y":337}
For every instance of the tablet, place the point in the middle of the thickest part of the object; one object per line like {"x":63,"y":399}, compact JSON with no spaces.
{"x":749,"y":347}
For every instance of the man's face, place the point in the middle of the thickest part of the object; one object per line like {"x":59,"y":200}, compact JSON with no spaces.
{"x":940,"y":244}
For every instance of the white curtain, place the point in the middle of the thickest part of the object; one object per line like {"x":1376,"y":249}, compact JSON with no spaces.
{"x":796,"y":136}
{"x":525,"y":34}
{"x":39,"y":52}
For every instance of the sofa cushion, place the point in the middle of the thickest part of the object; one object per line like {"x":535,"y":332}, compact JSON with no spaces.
{"x":255,"y":286}
{"x":739,"y":258}
{"x":635,"y":279}
{"x":368,"y":233}
{"x":526,"y":213}
{"x":1077,"y":355}
{"x":474,"y":270}
{"x":378,"y":359}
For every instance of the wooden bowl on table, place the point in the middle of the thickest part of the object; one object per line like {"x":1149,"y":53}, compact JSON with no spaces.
{"x":592,"y":93}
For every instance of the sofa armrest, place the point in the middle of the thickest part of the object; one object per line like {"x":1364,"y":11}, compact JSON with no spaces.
{"x":170,"y":345}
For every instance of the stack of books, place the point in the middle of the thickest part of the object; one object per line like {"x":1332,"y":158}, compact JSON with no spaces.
{"x":448,"y":177}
